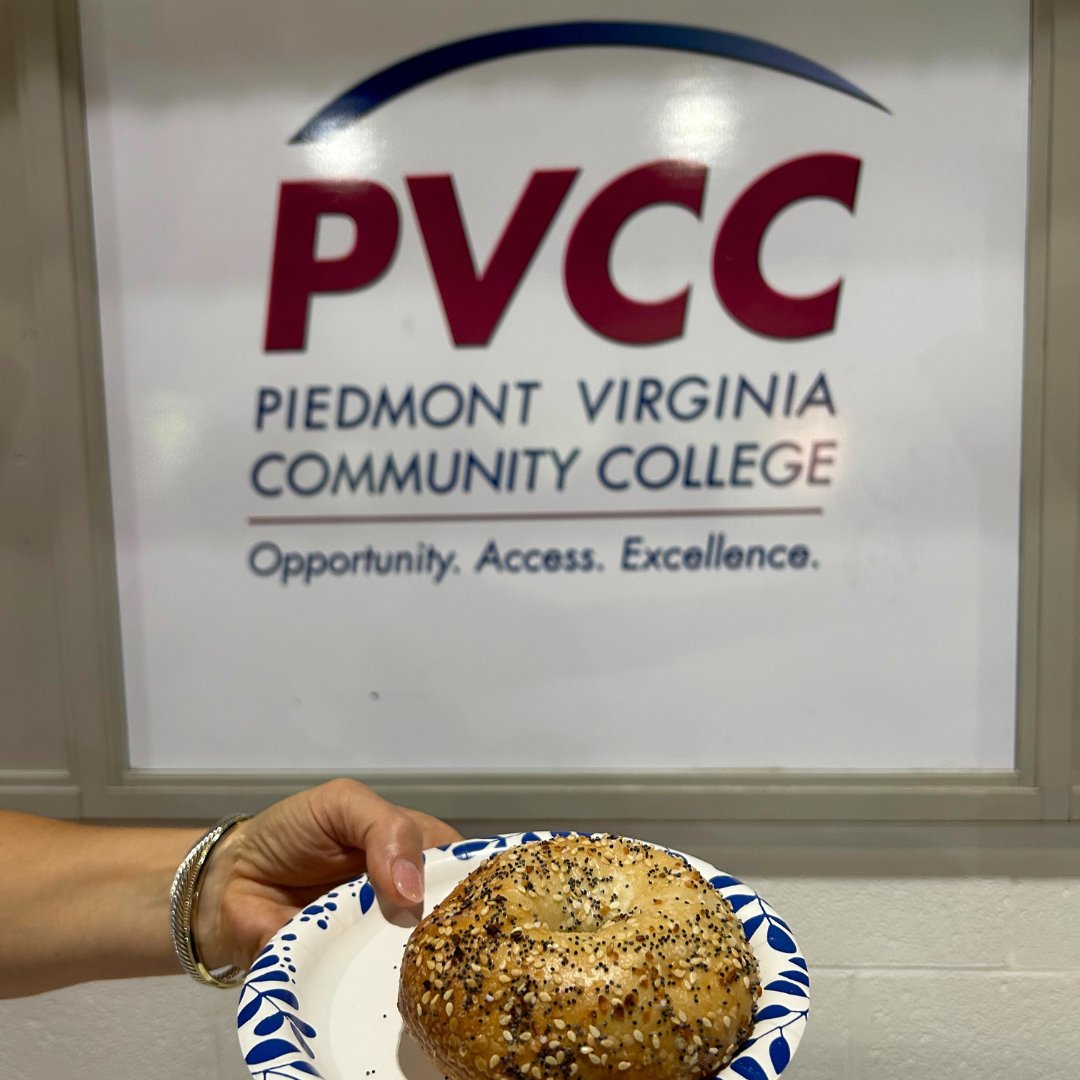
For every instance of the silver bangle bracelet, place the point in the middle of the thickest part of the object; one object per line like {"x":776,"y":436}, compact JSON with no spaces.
{"x":184,"y":906}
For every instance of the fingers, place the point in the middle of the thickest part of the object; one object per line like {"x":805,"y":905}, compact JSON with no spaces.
{"x":392,"y":837}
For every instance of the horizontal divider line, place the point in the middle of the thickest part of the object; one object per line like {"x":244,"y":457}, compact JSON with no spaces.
{"x":532,"y":515}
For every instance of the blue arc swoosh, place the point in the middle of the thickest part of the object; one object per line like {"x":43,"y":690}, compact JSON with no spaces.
{"x":383,"y":86}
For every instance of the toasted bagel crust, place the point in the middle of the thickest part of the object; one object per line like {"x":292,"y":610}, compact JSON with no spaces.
{"x":580,"y":958}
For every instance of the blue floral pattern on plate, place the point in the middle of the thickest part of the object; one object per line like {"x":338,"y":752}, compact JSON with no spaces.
{"x":279,"y":1042}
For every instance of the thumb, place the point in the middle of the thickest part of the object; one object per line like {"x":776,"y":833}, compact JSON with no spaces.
{"x":389,"y":836}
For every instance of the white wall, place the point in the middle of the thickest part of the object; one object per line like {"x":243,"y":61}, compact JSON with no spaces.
{"x":943,"y":978}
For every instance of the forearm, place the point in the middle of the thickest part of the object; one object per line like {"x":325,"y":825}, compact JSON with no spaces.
{"x":83,"y":902}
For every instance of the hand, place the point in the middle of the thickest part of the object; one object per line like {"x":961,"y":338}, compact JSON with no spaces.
{"x":268,"y":868}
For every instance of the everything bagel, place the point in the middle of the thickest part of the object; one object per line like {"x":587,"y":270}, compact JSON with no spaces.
{"x":580,"y":958}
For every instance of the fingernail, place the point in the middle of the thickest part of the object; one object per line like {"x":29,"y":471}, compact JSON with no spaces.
{"x":408,"y":880}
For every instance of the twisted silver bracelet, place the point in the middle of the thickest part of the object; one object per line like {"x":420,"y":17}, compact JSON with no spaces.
{"x":184,"y":906}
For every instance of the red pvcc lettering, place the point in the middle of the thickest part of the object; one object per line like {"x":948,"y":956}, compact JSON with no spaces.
{"x":475,"y":301}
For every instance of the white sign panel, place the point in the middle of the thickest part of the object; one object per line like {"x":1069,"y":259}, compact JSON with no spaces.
{"x":563,"y":387}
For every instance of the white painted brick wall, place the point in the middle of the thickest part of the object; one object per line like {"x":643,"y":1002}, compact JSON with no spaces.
{"x":941,"y":978}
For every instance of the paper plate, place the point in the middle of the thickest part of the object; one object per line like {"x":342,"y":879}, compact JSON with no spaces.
{"x":321,"y":998}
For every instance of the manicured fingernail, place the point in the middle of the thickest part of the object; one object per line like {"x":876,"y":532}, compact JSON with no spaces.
{"x":408,"y":880}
